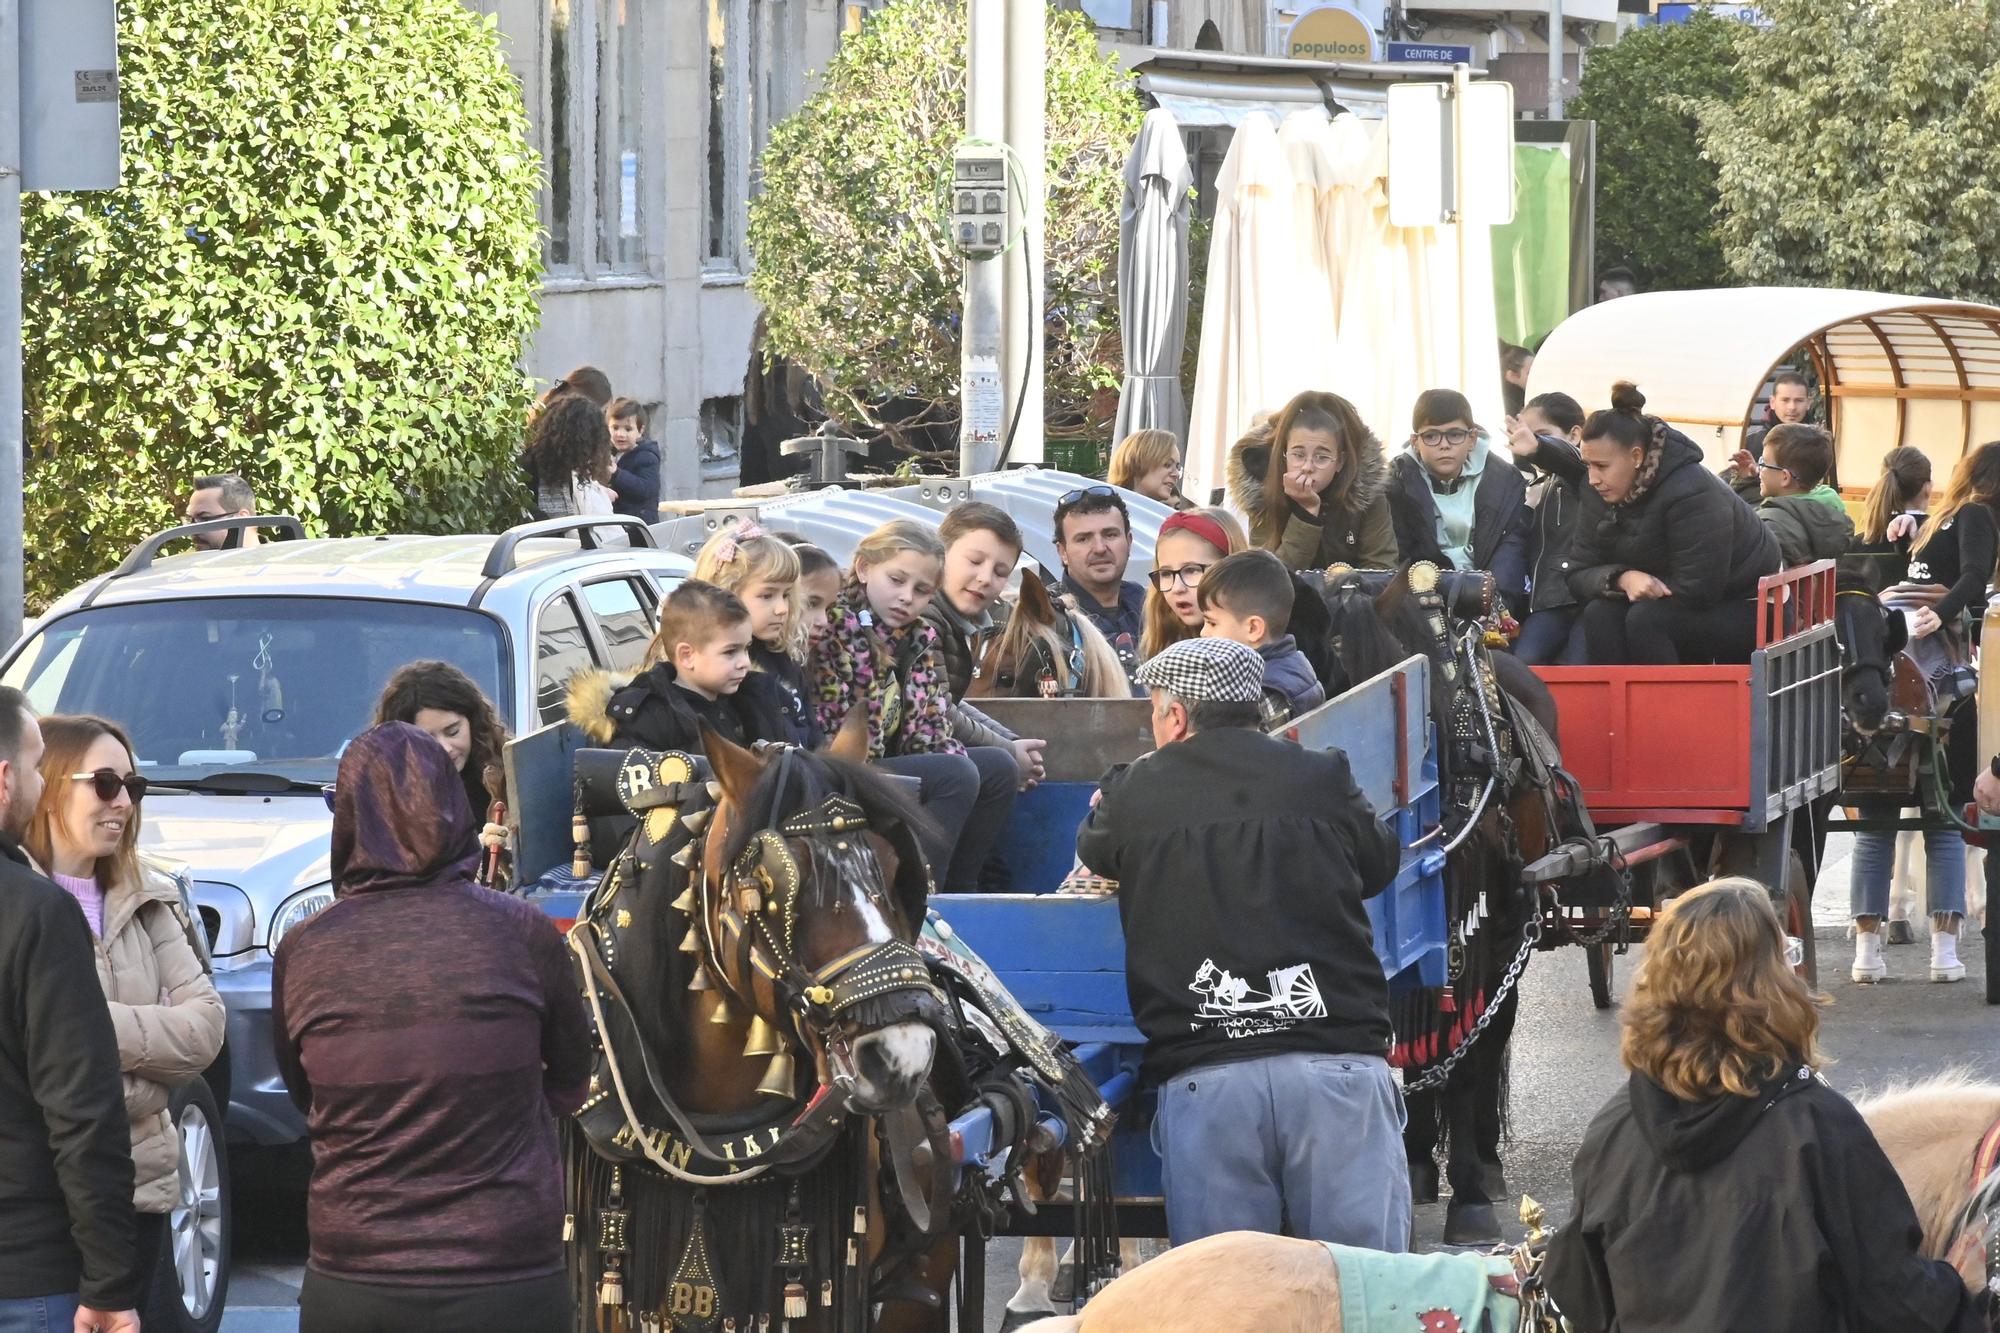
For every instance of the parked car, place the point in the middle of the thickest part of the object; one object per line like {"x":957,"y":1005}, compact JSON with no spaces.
{"x":242,"y":674}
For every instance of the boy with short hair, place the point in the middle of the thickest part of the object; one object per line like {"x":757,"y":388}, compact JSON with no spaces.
{"x":1247,"y":597}
{"x":636,"y":481}
{"x":700,"y":674}
{"x":1805,"y":514}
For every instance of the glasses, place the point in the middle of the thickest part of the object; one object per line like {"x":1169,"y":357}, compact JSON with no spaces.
{"x":1187,"y":576}
{"x":205,"y":518}
{"x":1301,"y":458}
{"x":1081,"y":493}
{"x":106,"y":782}
{"x":1762,"y":466}
{"x":1456,"y":437}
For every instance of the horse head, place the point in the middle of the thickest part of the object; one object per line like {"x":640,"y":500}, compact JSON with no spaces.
{"x":813,"y":891}
{"x":1871,"y":636}
{"x":1046,"y":649}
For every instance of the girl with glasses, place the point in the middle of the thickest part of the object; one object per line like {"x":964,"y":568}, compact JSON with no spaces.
{"x":1188,"y":545}
{"x":1312,"y":485}
{"x":168,"y":1018}
{"x":1454,"y":503}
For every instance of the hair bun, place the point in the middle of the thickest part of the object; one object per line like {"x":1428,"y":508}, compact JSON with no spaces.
{"x":1626,"y":398}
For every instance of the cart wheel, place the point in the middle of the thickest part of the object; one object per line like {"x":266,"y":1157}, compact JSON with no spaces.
{"x":1797,"y":912}
{"x":1597,"y":958}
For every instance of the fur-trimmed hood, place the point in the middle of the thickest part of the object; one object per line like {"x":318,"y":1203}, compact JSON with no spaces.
{"x":589,"y":702}
{"x":1249,"y":464}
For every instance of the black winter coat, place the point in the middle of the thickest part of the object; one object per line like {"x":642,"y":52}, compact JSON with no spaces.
{"x":636,"y":482}
{"x":1772,"y":1214}
{"x":1960,"y":556}
{"x":1501,"y":522}
{"x":960,"y":645}
{"x":652,"y":712}
{"x":1242,"y":863}
{"x":1564,"y":480}
{"x":1690,"y":531}
{"x":66,"y":1220}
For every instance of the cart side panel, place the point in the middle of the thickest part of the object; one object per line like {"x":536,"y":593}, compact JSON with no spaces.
{"x":1656,"y":738}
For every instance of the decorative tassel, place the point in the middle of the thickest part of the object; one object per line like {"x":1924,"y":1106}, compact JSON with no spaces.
{"x":777,"y":1080}
{"x":723,"y":1015}
{"x":612,"y":1292}
{"x":579,"y":834}
{"x":700,"y":980}
{"x":691,"y":942}
{"x":684,"y":903}
{"x":795,"y":1300}
{"x":763,"y":1038}
{"x":1448,"y":1001}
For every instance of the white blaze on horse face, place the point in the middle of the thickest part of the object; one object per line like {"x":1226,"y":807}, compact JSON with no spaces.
{"x":893,"y":1063}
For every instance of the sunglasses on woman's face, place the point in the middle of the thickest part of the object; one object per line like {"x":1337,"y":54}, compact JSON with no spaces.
{"x":106,"y":782}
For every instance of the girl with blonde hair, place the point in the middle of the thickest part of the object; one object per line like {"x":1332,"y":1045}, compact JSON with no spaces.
{"x":1148,"y":463}
{"x":1189,"y":544}
{"x":879,"y":658}
{"x":1727,"y":1151}
{"x":765,"y":573}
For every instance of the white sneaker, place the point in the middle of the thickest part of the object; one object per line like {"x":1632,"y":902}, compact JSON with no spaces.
{"x":1944,"y":957}
{"x":1868,"y":965}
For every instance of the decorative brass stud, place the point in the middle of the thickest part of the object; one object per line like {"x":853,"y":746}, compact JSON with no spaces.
{"x":624,"y":919}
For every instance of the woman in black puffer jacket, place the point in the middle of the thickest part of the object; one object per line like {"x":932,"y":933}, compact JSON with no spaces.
{"x":1666,"y":558}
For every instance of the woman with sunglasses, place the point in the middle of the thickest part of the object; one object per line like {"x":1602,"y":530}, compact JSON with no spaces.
{"x":168,"y":1018}
{"x":1454,"y":504}
{"x":1666,"y":557}
{"x":1311,"y":484}
{"x":1188,"y":545}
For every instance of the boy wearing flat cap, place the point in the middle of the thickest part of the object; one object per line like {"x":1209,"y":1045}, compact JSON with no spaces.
{"x":1242,"y":862}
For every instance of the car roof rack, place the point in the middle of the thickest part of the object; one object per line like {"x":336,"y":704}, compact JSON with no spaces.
{"x":147,"y":551}
{"x":588,"y":531}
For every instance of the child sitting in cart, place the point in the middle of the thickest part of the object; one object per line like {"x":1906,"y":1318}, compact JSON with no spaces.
{"x":1247,"y":597}
{"x":1804,"y":513}
{"x":765,"y":573}
{"x":1452,"y":506}
{"x":880,"y":655}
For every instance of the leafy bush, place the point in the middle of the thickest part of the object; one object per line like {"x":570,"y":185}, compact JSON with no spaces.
{"x":1863,"y":156}
{"x":1656,"y":196}
{"x":854,"y":263}
{"x":320,"y":272}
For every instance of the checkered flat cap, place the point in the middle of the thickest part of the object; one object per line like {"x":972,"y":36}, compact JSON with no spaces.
{"x":1219,"y":671}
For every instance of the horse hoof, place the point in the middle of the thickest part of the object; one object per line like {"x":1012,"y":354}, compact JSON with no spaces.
{"x":1063,"y":1289}
{"x":1493,"y":1177}
{"x":1471,"y":1224}
{"x":1014,"y":1319}
{"x":1424,"y":1182}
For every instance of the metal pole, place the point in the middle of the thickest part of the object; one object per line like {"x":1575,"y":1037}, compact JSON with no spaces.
{"x":1555,"y":111}
{"x":1461,"y":78}
{"x":981,"y":402}
{"x":12,"y":606}
{"x":1022,"y":297}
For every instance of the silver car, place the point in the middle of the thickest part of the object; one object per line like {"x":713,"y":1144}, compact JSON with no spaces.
{"x":242,"y":674}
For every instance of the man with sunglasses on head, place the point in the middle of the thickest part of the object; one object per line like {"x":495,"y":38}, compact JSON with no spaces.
{"x":67,"y":1225}
{"x":1094,"y":541}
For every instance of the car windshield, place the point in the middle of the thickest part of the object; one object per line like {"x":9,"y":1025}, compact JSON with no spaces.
{"x":274,"y":685}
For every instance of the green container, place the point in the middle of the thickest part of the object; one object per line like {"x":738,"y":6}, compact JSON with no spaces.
{"x":1083,"y":457}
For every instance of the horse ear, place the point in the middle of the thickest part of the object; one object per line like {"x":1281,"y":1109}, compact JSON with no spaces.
{"x":1393,"y":594}
{"x":1034,"y":600}
{"x":850,"y":743}
{"x":736,"y":768}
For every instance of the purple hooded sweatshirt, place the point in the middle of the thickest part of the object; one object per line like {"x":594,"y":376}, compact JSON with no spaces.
{"x":431,"y":1030}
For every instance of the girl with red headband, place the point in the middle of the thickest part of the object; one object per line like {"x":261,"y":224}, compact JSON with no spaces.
{"x":1188,"y":544}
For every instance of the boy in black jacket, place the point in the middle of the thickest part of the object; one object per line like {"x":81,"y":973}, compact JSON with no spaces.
{"x":636,"y":482}
{"x":1248,"y":597}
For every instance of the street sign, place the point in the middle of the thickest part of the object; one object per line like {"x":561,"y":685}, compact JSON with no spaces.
{"x":1428,"y":53}
{"x":69,"y":95}
{"x":1331,"y":32}
{"x":1435,"y":147}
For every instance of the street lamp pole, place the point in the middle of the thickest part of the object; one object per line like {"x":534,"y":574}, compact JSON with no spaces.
{"x":1555,"y":59}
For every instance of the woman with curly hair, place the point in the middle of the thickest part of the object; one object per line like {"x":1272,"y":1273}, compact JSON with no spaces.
{"x":1727,"y":1186}
{"x":569,"y":458}
{"x":438,"y":698}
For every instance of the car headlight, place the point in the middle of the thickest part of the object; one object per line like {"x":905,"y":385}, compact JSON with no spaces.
{"x":298,"y":908}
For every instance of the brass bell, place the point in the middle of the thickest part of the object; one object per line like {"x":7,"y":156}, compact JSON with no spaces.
{"x":723,"y":1014}
{"x":684,"y":903}
{"x":763,"y":1038}
{"x":701,"y":980}
{"x":691,"y":942}
{"x":697,"y":821}
{"x":778,"y":1078}
{"x":684,"y":857}
{"x":715,"y":791}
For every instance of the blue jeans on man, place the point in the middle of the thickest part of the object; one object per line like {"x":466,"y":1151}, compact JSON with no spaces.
{"x":39,"y":1314}
{"x":1302,"y":1144}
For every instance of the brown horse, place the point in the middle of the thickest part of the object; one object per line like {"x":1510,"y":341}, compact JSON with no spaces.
{"x":1931,"y":1132}
{"x":1047,"y":650}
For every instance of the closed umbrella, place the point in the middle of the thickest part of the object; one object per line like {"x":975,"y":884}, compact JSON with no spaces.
{"x":1314,"y":181}
{"x":1153,"y":278}
{"x":1251,"y":357}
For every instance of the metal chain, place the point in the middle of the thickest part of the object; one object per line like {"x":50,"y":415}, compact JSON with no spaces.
{"x":1530,"y":933}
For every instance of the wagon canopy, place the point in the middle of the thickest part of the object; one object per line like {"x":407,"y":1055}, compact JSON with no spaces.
{"x":1895,"y":369}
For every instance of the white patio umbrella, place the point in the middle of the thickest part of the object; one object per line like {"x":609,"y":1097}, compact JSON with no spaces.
{"x":1153,"y":278}
{"x":1304,"y":136}
{"x":1252,"y":358}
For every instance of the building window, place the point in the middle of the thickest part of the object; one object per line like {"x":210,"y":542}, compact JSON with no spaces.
{"x":732,"y":130}
{"x":594,"y":138}
{"x":721,"y":434}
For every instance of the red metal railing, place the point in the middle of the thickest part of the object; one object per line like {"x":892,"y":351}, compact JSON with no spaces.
{"x":1794,"y":601}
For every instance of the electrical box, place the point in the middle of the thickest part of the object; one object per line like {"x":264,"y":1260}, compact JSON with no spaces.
{"x":979,"y":200}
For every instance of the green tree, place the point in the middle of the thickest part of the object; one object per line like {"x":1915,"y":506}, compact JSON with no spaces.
{"x":319,"y":272}
{"x":1861,"y":152}
{"x":855,"y":267}
{"x":1656,"y":196}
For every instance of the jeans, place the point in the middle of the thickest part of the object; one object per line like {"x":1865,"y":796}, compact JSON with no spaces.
{"x":968,"y":797}
{"x":1552,"y":638}
{"x":1308,"y":1144}
{"x":1875,"y":863}
{"x":1668,"y":631}
{"x":39,"y":1314}
{"x":341,"y":1305}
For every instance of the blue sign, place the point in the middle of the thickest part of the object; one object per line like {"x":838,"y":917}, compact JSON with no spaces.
{"x":1680,"y":13}
{"x":1428,"y":53}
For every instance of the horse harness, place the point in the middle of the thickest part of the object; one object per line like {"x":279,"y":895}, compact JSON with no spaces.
{"x":1979,"y":1222}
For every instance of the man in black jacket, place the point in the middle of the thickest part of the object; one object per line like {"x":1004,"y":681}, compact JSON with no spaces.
{"x":66,"y":1223}
{"x":1242,"y":863}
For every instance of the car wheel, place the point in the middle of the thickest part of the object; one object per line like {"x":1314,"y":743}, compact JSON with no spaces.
{"x":191,"y":1282}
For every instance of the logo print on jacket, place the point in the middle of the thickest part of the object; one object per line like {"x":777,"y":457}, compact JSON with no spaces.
{"x":1232,"y":1004}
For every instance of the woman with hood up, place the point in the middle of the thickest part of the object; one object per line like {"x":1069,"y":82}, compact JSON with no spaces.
{"x":431,"y":1032}
{"x":1312,"y":484}
{"x":1666,"y":557}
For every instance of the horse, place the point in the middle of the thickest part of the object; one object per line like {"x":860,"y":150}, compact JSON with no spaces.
{"x":1048,"y":650}
{"x":764,"y":1081}
{"x":1932,"y":1133}
{"x":1489,"y":912}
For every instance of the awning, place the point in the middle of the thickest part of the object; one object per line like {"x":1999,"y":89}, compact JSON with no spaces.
{"x":1200,"y":100}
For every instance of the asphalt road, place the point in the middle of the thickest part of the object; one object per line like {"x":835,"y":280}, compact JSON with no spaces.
{"x":1565,"y":1063}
